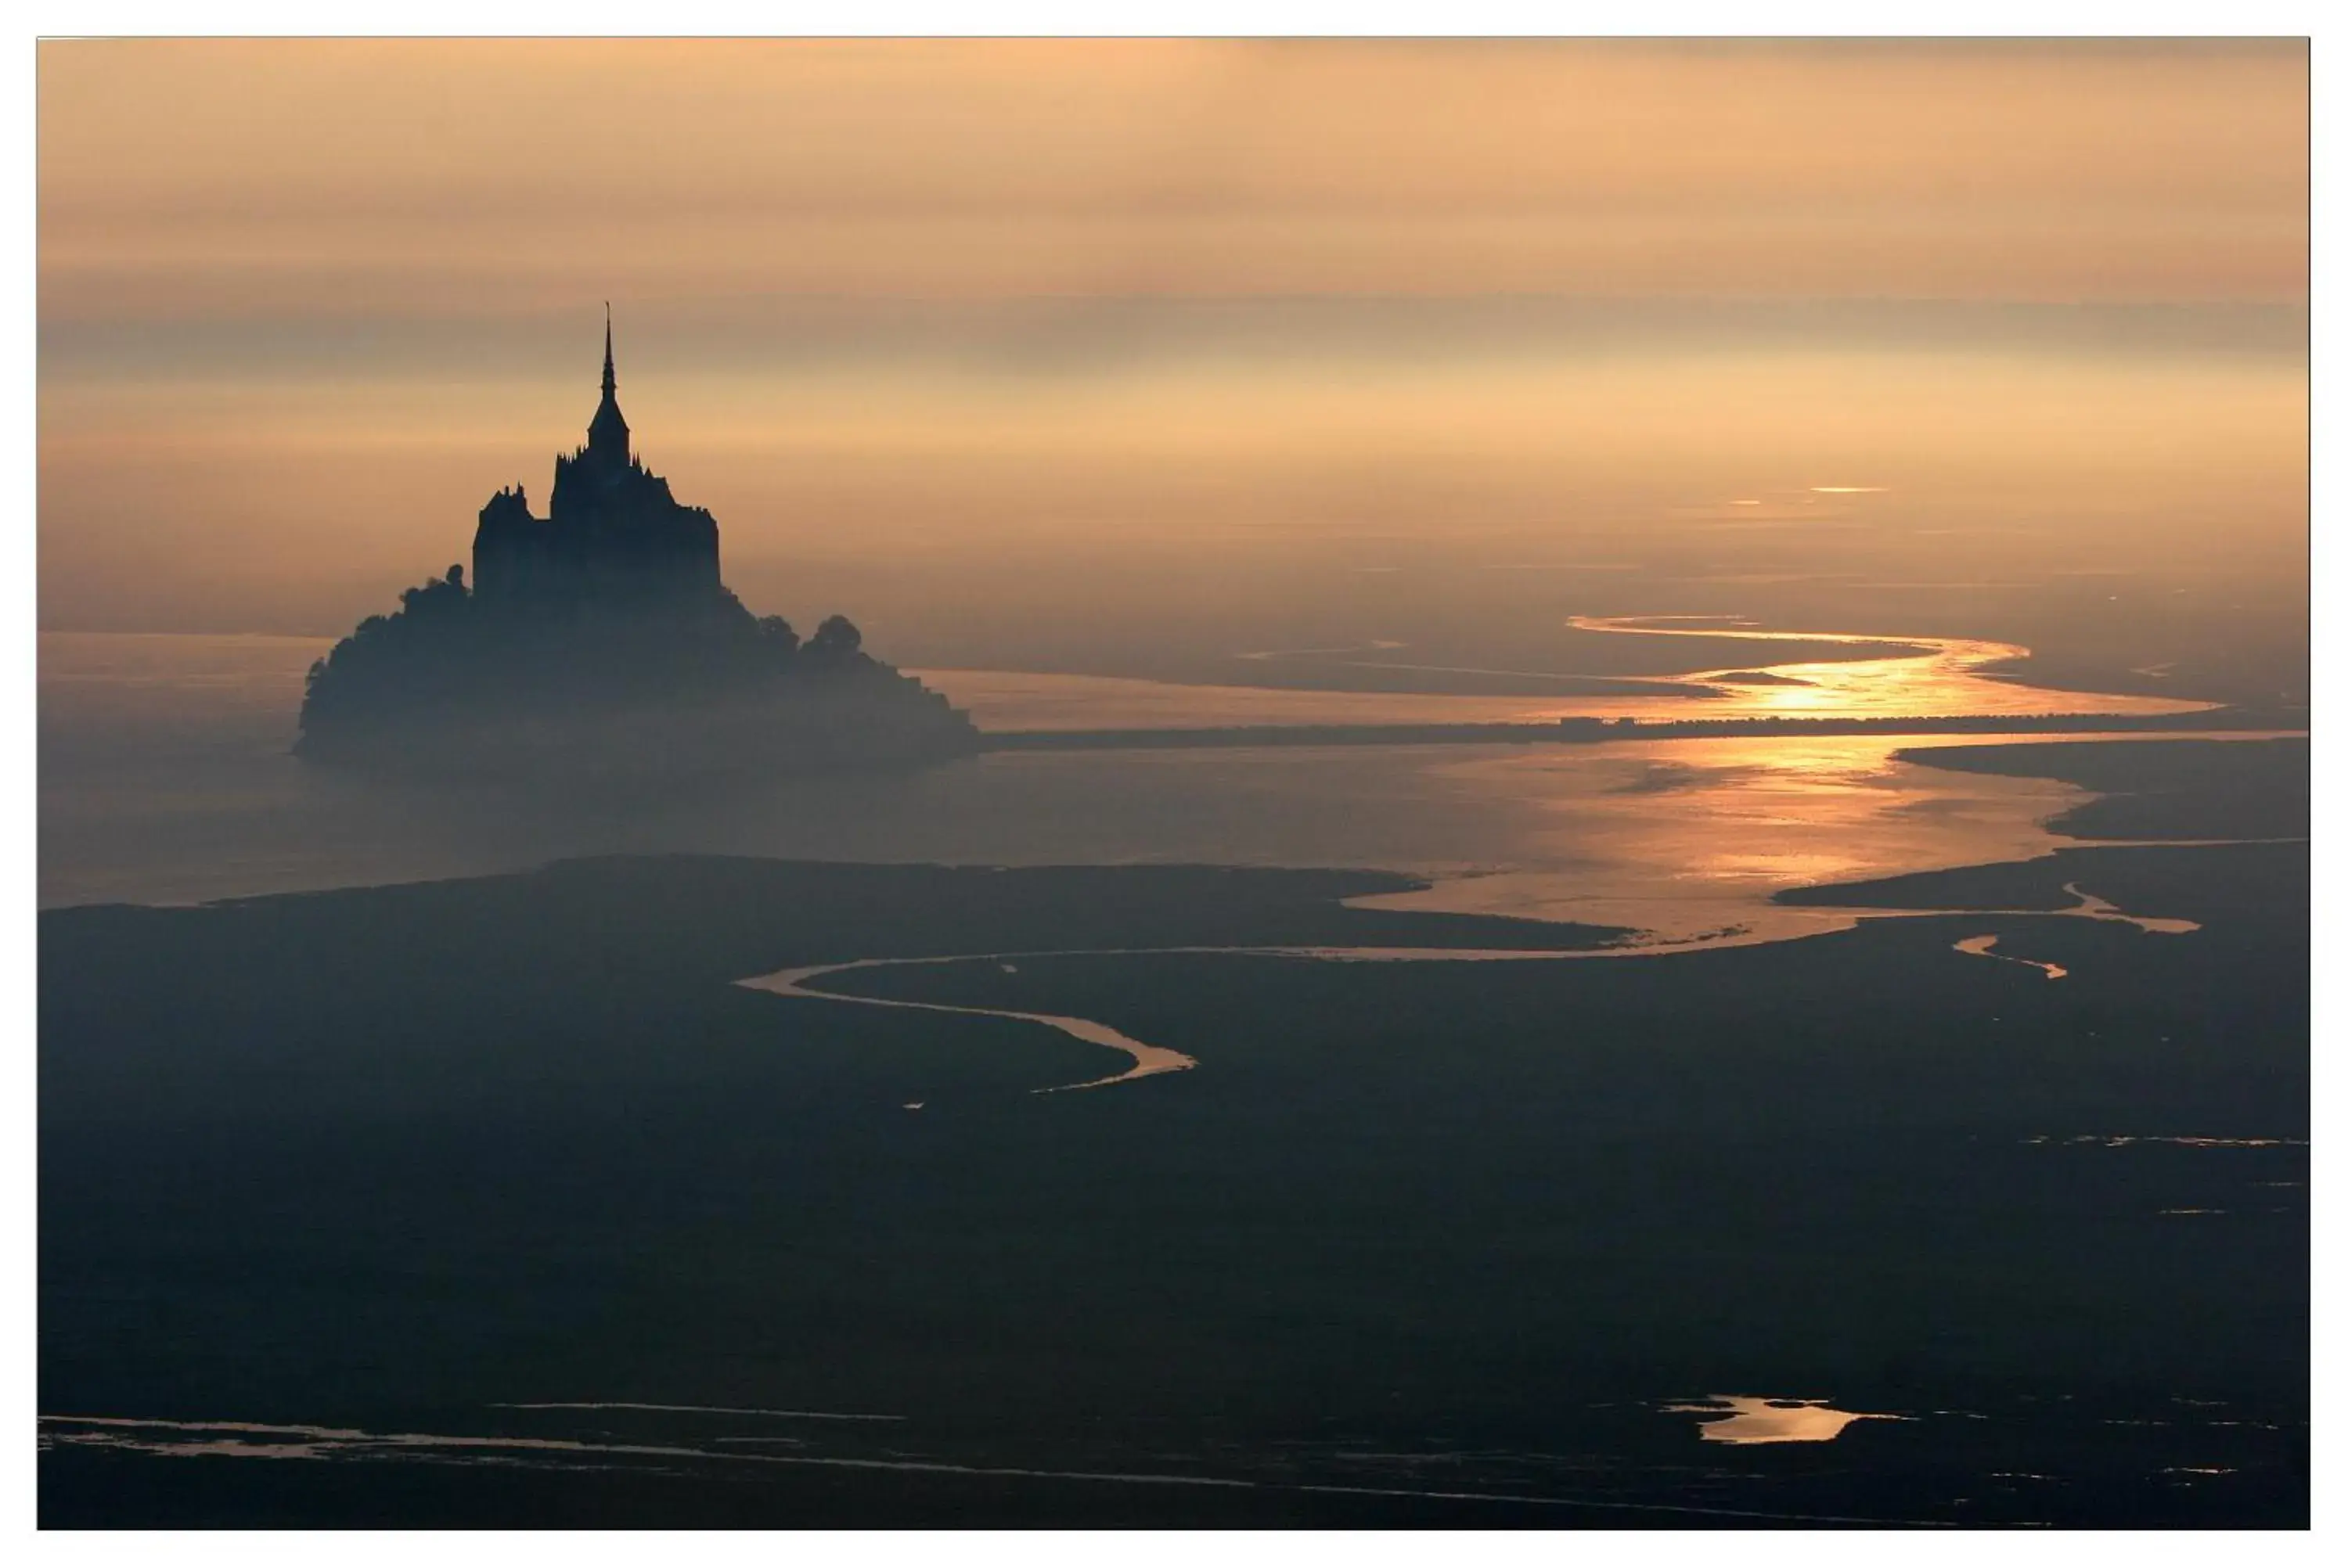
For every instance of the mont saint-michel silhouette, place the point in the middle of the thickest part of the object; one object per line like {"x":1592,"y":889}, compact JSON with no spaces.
{"x":603,"y":636}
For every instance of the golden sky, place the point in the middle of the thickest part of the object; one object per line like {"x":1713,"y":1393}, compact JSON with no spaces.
{"x":484,"y":176}
{"x":1173,"y":335}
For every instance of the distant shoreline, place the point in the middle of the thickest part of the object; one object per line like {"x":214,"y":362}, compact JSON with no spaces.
{"x":1596,"y":732}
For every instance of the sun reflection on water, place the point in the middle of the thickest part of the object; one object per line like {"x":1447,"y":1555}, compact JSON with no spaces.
{"x":1916,"y":677}
{"x":1913,"y":677}
{"x":1682,"y":839}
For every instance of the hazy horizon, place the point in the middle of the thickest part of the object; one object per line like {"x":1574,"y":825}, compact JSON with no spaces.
{"x":1127,"y":357}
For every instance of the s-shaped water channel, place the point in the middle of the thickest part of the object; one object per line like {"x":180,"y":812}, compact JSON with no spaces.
{"x":1149,"y":1060}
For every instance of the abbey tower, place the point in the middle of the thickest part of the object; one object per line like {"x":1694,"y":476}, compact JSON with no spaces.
{"x":614,"y":538}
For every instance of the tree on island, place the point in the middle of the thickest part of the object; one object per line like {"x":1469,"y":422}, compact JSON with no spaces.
{"x":836,"y":642}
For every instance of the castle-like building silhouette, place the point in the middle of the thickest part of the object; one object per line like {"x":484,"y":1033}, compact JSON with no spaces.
{"x":613,"y":537}
{"x":602,"y":637}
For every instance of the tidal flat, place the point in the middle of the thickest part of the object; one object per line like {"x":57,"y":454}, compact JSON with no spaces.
{"x":498,"y":1201}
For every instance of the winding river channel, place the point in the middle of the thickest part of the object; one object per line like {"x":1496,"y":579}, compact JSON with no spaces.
{"x":1880,"y":677}
{"x":1146,"y":1061}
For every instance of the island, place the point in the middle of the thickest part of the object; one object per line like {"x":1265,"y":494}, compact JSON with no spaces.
{"x":602,"y":640}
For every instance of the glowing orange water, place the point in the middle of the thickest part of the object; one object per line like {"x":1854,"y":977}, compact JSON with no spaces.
{"x":1915,"y":677}
{"x":1934,"y":677}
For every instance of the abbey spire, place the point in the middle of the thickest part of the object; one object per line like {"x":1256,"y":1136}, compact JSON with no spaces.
{"x":607,"y":432}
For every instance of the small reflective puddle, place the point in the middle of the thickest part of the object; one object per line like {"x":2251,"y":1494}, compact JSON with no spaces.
{"x":1743,"y":1419}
